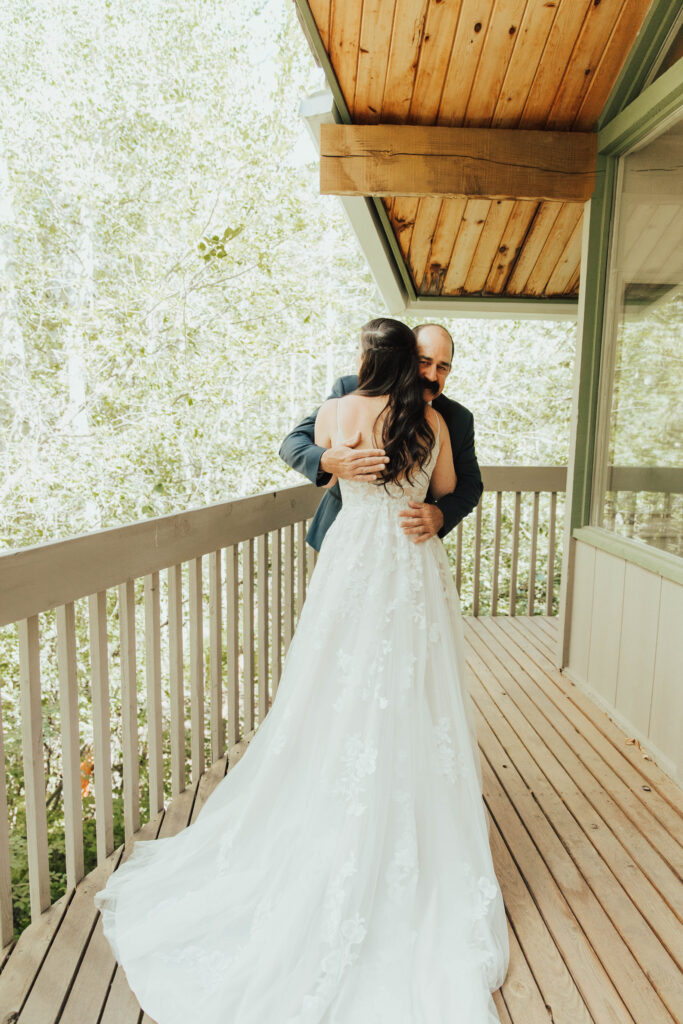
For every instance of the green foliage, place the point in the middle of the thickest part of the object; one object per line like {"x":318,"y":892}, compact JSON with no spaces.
{"x":176,"y":295}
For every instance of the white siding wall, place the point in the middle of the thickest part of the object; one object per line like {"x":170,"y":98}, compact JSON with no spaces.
{"x":626,"y":649}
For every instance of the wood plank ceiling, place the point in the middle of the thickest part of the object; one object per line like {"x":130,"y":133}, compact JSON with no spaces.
{"x":535,"y":64}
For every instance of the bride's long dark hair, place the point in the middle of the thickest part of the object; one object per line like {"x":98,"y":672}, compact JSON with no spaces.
{"x":390,"y":366}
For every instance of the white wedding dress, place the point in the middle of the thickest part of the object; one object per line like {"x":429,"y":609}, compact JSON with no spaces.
{"x":341,"y":872}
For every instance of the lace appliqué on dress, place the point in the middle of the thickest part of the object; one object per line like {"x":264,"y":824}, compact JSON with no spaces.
{"x":359,"y":759}
{"x":451,"y":765}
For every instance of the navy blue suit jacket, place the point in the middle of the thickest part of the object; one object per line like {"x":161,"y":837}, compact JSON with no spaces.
{"x":301,"y":453}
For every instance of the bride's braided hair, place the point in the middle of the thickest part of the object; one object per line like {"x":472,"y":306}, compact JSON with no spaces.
{"x":390,"y":366}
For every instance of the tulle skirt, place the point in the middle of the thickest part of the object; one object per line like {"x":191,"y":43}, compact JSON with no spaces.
{"x":341,"y":872}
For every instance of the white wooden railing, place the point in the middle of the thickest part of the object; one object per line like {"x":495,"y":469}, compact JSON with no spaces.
{"x":243,"y":566}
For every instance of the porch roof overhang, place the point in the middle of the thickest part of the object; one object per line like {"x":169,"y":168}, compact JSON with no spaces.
{"x":461,"y":139}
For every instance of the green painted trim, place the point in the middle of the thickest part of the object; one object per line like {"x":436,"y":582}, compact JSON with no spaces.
{"x":316,"y":44}
{"x":663,"y":563}
{"x":550,"y":301}
{"x":382,"y":222}
{"x":600,"y":221}
{"x":659,"y":21}
{"x":654,"y":105}
{"x":392,"y":241}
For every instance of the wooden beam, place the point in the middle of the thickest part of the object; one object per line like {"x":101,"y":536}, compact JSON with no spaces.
{"x":420,"y":160}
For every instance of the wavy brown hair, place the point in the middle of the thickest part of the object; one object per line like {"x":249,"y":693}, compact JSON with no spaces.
{"x":390,"y":366}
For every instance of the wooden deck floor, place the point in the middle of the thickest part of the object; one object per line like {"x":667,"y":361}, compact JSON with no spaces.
{"x":586,"y":835}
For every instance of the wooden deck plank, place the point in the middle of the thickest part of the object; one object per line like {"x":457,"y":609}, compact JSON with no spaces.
{"x":628,"y":852}
{"x":520,"y":993}
{"x":602,"y":724}
{"x":585,"y":992}
{"x":554,"y":980}
{"x":592,"y":937}
{"x":59,"y":969}
{"x":640,"y":969}
{"x":663,"y":853}
{"x":537,"y":665}
{"x":23,"y":960}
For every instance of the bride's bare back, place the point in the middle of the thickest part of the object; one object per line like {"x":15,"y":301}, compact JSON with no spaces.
{"x":364,"y":415}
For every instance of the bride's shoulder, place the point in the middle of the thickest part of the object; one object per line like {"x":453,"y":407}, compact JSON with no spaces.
{"x":435,"y":420}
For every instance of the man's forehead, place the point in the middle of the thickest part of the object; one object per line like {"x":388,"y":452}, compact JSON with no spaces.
{"x":435,"y":343}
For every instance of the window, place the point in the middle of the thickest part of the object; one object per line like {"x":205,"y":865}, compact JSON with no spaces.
{"x":638,"y":490}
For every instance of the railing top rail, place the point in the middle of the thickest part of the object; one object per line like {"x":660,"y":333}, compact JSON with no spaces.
{"x":43,"y":577}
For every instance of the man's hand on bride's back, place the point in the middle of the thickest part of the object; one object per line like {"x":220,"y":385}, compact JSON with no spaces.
{"x":347,"y":463}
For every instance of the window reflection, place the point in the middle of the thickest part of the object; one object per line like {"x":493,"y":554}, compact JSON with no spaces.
{"x":642,"y":478}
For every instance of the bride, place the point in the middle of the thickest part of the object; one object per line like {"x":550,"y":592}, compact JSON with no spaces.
{"x":341,"y":872}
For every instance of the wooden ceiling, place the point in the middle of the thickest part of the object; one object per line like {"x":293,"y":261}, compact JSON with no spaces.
{"x":486,"y":64}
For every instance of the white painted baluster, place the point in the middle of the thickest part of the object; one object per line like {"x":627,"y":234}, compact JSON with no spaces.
{"x":71,"y":751}
{"x":6,"y":912}
{"x":99,"y":669}
{"x":276,"y":612}
{"x":531,"y":597}
{"x":477,"y":559}
{"x":263,"y":653}
{"x":289,"y":585}
{"x":496,"y":553}
{"x":550,"y":581}
{"x":216,"y":656}
{"x":175,"y":672}
{"x":197,"y":669}
{"x":129,"y":710}
{"x":232,"y":608}
{"x":248,"y":632}
{"x":300,"y":566}
{"x":515,"y":554}
{"x":153,"y":677}
{"x":34,"y":768}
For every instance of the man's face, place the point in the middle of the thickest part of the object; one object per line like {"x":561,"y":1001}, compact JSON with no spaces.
{"x":434,"y":348}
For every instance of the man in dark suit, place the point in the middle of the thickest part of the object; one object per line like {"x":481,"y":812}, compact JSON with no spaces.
{"x":423,"y":519}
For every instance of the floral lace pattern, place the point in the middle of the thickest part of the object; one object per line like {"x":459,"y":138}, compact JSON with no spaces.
{"x":340,"y":873}
{"x":358,"y":762}
{"x":452,"y":765}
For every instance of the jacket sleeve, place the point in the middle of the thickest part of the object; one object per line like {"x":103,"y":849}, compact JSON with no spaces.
{"x":469,"y":488}
{"x":299,"y":449}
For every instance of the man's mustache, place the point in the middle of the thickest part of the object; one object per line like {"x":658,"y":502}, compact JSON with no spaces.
{"x":431,"y":385}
